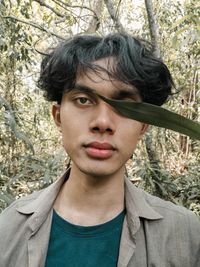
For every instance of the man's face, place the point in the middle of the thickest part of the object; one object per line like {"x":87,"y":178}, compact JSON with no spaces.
{"x":98,"y":140}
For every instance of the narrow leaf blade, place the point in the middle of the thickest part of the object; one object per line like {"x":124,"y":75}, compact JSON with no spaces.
{"x":155,"y":115}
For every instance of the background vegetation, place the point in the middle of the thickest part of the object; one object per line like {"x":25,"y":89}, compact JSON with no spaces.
{"x":166,"y":163}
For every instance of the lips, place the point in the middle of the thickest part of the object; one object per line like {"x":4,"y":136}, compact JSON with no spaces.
{"x":99,"y":150}
{"x":101,"y":146}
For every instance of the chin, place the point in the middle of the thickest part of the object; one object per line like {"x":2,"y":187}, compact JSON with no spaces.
{"x":100,"y":172}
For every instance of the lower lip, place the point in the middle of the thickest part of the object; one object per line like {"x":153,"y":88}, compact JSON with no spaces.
{"x":99,"y":153}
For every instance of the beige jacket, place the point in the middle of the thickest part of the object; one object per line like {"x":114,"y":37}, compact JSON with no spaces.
{"x":155,"y":233}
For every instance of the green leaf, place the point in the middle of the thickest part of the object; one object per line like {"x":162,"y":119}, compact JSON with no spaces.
{"x":180,"y":21}
{"x":11,"y":122}
{"x":155,"y":115}
{"x":175,"y":42}
{"x":6,"y":197}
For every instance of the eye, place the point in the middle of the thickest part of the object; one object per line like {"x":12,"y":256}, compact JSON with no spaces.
{"x":83,"y":101}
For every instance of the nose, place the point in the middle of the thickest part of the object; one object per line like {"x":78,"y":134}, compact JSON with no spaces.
{"x":103,"y":119}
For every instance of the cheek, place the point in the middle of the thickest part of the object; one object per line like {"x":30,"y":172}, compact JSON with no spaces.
{"x":71,"y":130}
{"x":130,"y":135}
{"x":132,"y":129}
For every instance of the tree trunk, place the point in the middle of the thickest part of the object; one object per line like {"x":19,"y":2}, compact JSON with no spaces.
{"x":111,"y":10}
{"x":153,"y":26}
{"x":95,"y":20}
{"x":151,"y":152}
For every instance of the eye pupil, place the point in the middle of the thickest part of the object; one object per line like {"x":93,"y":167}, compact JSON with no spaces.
{"x":83,"y":100}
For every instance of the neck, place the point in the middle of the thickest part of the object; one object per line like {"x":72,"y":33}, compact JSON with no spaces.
{"x":88,"y":200}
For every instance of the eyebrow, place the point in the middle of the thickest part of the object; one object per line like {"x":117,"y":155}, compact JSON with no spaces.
{"x":84,"y":89}
{"x":117,"y":95}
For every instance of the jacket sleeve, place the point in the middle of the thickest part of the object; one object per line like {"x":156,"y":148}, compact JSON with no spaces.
{"x":13,"y":237}
{"x":193,"y":233}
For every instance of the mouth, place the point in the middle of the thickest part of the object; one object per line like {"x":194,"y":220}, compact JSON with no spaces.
{"x":99,"y":150}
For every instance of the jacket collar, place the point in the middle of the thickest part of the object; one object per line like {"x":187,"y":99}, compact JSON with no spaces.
{"x":137,"y":207}
{"x":44,"y":199}
{"x":136,"y":203}
{"x":39,"y":207}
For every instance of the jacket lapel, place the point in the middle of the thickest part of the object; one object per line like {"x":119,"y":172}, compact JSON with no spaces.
{"x":127,"y":246}
{"x":136,"y":207}
{"x":38,"y":243}
{"x":40,"y":210}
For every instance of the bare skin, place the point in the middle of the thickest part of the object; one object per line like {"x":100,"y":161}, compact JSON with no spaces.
{"x":85,"y":201}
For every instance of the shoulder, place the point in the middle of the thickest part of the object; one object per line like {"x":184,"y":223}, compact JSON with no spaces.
{"x":22,"y":201}
{"x":171,"y":217}
{"x":38,"y":202}
{"x":172,"y":232}
{"x":179,"y":228}
{"x":167,"y":207}
{"x":151,"y":207}
{"x":11,"y":217}
{"x":176,"y":217}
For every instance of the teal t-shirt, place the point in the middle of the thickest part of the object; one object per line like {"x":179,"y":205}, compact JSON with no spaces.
{"x":79,"y":246}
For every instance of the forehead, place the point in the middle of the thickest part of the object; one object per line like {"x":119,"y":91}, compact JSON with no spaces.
{"x":100,"y":79}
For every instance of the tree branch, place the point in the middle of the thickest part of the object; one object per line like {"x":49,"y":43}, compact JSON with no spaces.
{"x":151,"y":152}
{"x":30,"y":23}
{"x":42,"y":3}
{"x":112,"y":12}
{"x":95,"y":20}
{"x":65,"y":5}
{"x":153,"y":26}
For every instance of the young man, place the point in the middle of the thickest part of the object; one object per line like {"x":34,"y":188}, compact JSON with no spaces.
{"x":93,"y":215}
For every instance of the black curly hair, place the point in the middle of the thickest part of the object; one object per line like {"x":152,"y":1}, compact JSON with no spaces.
{"x":134,"y":64}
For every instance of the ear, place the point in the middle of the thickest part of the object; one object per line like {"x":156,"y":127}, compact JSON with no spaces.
{"x":56,"y":115}
{"x":144,"y":129}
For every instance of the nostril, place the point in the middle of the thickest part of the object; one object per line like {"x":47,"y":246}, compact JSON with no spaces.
{"x":102,"y":130}
{"x":95,"y":129}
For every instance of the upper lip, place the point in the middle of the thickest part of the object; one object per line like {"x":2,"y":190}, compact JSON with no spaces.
{"x":99,"y":145}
